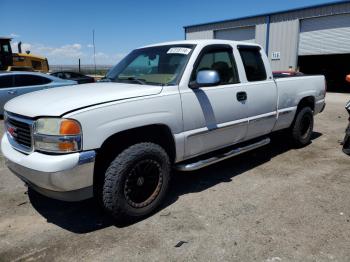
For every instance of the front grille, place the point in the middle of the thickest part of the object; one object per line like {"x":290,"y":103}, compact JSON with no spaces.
{"x":20,"y":131}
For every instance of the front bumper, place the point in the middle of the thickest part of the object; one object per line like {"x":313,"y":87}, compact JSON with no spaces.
{"x":66,"y":177}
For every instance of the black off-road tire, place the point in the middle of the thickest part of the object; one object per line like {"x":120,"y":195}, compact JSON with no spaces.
{"x":302,"y":127}
{"x":121,"y":172}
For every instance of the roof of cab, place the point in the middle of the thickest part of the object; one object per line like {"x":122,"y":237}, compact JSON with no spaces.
{"x":202,"y":42}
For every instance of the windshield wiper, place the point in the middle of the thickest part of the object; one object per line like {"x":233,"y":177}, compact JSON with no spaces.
{"x":138,"y":80}
{"x":105,"y":79}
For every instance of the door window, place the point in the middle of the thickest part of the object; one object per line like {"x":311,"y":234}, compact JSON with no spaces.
{"x":75,"y":75}
{"x":253,"y":64}
{"x":30,"y":80}
{"x":60,"y":75}
{"x":6,"y":81}
{"x":221,"y":60}
{"x":68,"y":75}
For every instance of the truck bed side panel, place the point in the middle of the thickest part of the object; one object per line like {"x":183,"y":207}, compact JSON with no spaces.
{"x":291,"y":90}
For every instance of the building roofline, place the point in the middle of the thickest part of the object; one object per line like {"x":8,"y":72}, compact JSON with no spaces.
{"x":269,"y":14}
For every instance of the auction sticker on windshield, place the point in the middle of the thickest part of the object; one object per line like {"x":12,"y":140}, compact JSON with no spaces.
{"x":179,"y":50}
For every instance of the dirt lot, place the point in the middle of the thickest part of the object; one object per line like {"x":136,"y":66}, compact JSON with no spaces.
{"x":274,"y":204}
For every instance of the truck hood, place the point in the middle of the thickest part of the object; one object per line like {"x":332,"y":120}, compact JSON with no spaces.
{"x":57,"y":101}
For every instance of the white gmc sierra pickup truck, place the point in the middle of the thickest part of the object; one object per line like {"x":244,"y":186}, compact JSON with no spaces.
{"x":182,"y":105}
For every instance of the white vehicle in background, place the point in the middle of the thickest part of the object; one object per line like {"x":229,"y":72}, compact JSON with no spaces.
{"x":182,"y":105}
{"x":14,"y":84}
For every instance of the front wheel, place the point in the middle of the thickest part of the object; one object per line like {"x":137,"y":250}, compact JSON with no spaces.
{"x":136,"y":181}
{"x":302,"y":128}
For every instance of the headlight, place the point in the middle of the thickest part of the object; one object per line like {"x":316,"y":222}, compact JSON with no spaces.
{"x":57,"y":135}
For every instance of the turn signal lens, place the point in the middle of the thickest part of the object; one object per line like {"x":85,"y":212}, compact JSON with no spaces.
{"x":67,"y":146}
{"x":69,"y":127}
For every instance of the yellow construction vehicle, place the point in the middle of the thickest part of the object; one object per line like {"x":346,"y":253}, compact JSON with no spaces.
{"x":20,"y":61}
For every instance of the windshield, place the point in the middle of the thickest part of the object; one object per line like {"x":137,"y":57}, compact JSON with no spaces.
{"x":159,"y":65}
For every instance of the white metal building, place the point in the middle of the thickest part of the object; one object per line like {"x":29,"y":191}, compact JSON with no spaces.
{"x":315,"y":39}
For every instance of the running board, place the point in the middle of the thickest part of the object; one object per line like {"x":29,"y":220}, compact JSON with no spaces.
{"x":212,"y":160}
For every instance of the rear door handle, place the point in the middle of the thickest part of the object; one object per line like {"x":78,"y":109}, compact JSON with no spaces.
{"x":241,"y":96}
{"x":12,"y":92}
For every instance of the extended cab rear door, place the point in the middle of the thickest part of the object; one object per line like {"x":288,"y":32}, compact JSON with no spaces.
{"x":260,"y":89}
{"x":214,"y":116}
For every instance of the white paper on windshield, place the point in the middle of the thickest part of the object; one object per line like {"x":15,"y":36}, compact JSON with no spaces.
{"x":179,"y":50}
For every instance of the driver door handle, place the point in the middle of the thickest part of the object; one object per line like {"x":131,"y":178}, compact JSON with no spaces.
{"x":241,"y":96}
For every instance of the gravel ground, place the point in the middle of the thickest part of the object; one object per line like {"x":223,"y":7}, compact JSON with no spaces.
{"x":273,"y":204}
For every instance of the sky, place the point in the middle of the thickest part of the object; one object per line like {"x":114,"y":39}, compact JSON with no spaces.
{"x":61,"y":30}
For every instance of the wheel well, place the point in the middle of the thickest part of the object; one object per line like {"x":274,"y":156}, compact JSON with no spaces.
{"x":308,"y":101}
{"x":112,"y":146}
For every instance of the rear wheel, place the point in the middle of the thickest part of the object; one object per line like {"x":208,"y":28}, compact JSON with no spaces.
{"x":302,"y":127}
{"x":136,"y":181}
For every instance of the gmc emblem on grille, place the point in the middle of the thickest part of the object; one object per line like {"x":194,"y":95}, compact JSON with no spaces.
{"x":12,"y":131}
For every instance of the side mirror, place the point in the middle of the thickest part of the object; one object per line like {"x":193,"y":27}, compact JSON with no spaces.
{"x":206,"y":78}
{"x":347,"y":79}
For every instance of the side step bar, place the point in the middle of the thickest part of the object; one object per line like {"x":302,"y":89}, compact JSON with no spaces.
{"x":206,"y":162}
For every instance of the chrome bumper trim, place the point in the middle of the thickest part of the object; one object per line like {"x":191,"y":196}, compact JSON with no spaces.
{"x":87,"y":157}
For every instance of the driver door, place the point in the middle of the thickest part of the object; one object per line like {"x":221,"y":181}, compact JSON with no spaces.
{"x":213,"y":116}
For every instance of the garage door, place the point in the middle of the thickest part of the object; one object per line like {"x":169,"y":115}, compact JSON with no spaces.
{"x":246,"y":34}
{"x":325,"y":35}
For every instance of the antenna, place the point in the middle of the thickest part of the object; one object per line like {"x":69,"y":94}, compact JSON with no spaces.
{"x":93,"y":43}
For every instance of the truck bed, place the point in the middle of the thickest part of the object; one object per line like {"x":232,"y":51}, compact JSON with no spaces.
{"x":291,"y":90}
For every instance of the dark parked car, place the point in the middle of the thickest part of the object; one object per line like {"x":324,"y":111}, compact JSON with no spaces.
{"x":80,"y":78}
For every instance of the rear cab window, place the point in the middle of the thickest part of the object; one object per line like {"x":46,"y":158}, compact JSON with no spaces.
{"x":253,"y":63}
